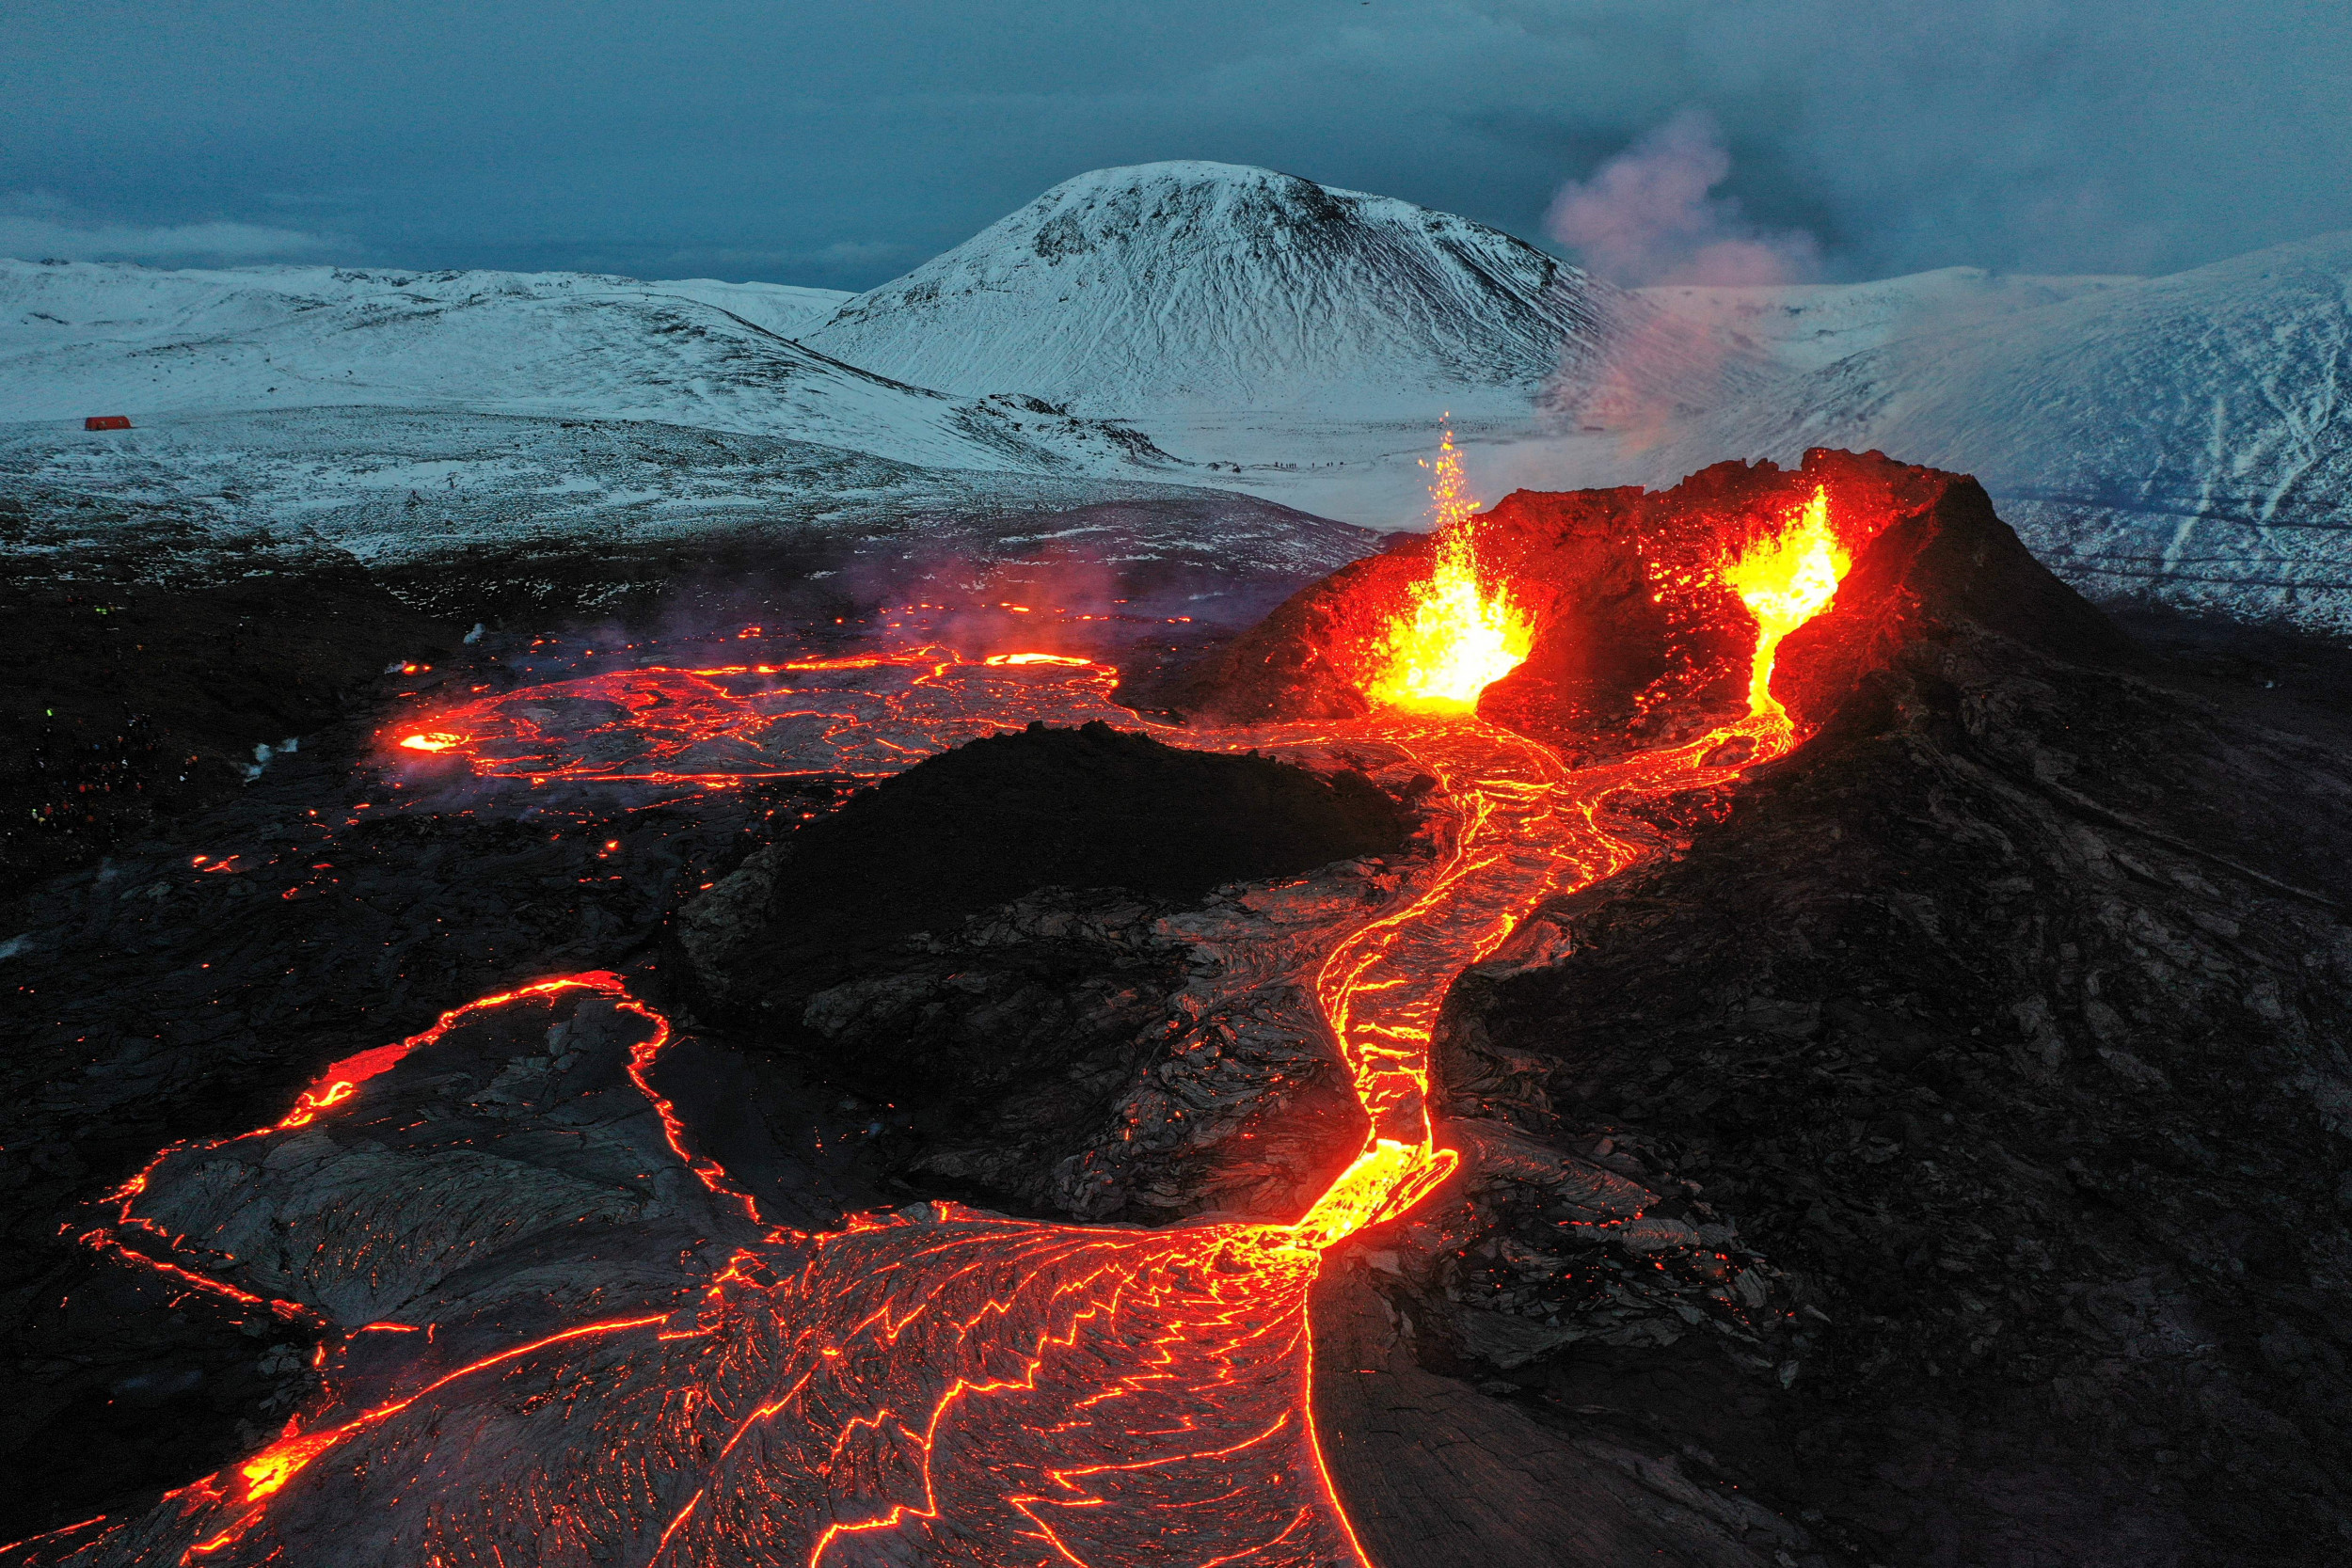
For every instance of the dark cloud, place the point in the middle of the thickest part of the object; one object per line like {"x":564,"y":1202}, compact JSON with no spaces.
{"x":836,"y":144}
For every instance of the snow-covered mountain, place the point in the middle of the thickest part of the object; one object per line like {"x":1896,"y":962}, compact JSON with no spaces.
{"x":1131,"y":292}
{"x":2185,"y":438}
{"x":98,"y":338}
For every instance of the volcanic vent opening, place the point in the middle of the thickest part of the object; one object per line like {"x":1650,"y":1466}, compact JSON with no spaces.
{"x":1601,"y":623}
{"x":1460,"y":630}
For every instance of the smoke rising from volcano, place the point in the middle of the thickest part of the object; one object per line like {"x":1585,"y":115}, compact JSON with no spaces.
{"x":1649,"y":219}
{"x":1646,"y":217}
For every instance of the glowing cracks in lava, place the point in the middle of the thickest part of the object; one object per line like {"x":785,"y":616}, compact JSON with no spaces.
{"x":865,"y":715}
{"x":343,"y":1079}
{"x":268,"y":1471}
{"x":1785,"y":582}
{"x":1039,"y":659}
{"x":1000,"y":1391}
{"x":1460,"y":633}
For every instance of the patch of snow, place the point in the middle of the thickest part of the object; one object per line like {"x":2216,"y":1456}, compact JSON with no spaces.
{"x":340,"y":480}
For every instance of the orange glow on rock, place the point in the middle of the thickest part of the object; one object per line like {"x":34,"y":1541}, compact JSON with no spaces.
{"x":1460,"y":633}
{"x":433,"y":741}
{"x":276,"y":1465}
{"x":1039,"y":659}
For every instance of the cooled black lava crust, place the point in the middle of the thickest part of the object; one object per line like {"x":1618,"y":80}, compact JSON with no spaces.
{"x":997,"y":819}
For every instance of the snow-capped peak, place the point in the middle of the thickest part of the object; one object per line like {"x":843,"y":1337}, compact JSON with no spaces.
{"x":1219,"y":284}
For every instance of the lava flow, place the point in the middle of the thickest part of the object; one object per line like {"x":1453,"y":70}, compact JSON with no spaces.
{"x":862,"y":715}
{"x":944,"y":1385}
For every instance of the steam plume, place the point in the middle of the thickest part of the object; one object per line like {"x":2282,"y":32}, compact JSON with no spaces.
{"x":1647,"y":217}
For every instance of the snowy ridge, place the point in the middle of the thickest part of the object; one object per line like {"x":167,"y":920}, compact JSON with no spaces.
{"x":2185,"y":438}
{"x":388,"y":486}
{"x":1131,"y":290}
{"x":96,"y":338}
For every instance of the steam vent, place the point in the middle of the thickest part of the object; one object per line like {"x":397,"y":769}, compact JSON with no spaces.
{"x":1740,"y":1024}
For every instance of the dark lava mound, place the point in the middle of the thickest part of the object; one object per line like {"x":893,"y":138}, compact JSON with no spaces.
{"x":905,"y":865}
{"x":1943,"y":1147}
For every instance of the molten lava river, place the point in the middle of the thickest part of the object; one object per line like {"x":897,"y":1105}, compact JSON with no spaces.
{"x":937,"y":1384}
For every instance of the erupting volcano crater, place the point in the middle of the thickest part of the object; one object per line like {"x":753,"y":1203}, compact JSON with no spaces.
{"x":600,"y":1274}
{"x":1603,"y":620}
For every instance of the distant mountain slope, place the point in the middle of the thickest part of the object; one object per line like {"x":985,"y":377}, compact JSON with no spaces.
{"x":104,"y":339}
{"x":384,"y":486}
{"x":1129,"y":289}
{"x":2186,"y":437}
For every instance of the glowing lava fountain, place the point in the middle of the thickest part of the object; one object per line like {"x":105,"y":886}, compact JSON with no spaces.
{"x":1461,"y":633}
{"x":943,"y":1385}
{"x":1785,"y":581}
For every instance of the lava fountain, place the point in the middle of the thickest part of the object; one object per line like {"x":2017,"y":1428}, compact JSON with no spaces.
{"x":1785,"y":582}
{"x":1460,"y":632}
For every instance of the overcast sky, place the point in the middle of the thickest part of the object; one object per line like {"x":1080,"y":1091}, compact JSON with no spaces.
{"x":840,"y":143}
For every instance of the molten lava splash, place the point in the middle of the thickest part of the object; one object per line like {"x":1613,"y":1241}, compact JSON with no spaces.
{"x":1460,"y":633}
{"x":964,"y":1389}
{"x":1785,"y":582}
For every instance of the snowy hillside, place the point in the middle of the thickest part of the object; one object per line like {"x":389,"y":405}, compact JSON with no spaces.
{"x":107,"y":339}
{"x":2187,"y":438}
{"x":1134,"y":292}
{"x":389,"y":485}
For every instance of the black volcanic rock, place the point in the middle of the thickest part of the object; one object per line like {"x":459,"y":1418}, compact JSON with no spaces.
{"x":983,"y":826}
{"x":126,"y":704}
{"x":1978,"y":1082}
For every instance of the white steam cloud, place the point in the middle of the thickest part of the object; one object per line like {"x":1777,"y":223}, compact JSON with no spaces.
{"x":1647,"y":217}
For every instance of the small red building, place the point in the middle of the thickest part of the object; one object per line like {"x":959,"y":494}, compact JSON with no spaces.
{"x":107,"y":421}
